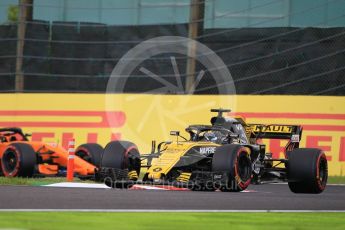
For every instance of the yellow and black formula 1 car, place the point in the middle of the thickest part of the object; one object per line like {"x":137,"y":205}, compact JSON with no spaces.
{"x":223,"y":155}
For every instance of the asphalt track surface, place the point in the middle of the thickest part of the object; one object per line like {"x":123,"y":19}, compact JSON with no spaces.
{"x":260,"y":197}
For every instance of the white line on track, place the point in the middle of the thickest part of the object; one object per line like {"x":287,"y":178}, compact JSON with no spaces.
{"x":76,"y":185}
{"x":167,"y":210}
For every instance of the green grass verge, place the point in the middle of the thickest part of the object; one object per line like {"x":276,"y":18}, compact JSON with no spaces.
{"x":36,"y":181}
{"x":174,"y":221}
{"x":336,"y":180}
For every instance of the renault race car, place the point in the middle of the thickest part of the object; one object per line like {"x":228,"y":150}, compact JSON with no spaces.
{"x":23,"y":158}
{"x":225,"y":155}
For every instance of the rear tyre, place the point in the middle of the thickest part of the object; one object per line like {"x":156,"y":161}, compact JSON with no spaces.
{"x":307,"y":170}
{"x":91,"y":153}
{"x":122,"y":155}
{"x":234,"y":161}
{"x":18,"y":160}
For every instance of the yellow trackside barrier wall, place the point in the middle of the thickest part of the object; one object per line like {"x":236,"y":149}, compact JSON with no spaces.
{"x":142,"y":118}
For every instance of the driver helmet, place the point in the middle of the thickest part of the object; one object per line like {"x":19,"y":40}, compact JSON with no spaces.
{"x":211,"y":136}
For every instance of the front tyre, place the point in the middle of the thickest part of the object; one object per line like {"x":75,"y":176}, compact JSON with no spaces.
{"x":119,"y":156}
{"x":91,"y":153}
{"x":19,"y":160}
{"x":307,"y":170}
{"x":234,"y":161}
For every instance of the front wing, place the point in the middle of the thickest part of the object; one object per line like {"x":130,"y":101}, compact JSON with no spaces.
{"x":118,"y":178}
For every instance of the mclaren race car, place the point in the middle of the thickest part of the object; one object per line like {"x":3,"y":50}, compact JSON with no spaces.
{"x":20,"y":157}
{"x":225,"y":155}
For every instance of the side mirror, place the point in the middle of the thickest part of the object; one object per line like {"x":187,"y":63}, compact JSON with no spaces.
{"x":175,"y":133}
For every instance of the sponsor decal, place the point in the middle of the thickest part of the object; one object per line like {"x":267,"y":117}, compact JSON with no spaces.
{"x":207,"y":150}
{"x":272,"y":128}
{"x":217,"y":176}
{"x":295,"y":138}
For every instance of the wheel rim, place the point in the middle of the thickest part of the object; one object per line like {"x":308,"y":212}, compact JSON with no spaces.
{"x":10,"y":161}
{"x":323,"y":172}
{"x":244,"y":167}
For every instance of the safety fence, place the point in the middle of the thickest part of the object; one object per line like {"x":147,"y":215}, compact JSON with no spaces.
{"x":65,"y":56}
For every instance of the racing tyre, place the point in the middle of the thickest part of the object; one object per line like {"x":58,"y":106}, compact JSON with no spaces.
{"x":234,"y":161}
{"x":307,"y":170}
{"x":121,"y":155}
{"x":91,"y":153}
{"x":18,"y":160}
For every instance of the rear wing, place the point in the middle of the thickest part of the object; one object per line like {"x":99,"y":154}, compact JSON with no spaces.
{"x":293,"y":133}
{"x":274,"y":131}
{"x":271,"y":131}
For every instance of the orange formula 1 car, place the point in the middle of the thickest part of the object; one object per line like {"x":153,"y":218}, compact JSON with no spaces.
{"x":20,"y":157}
